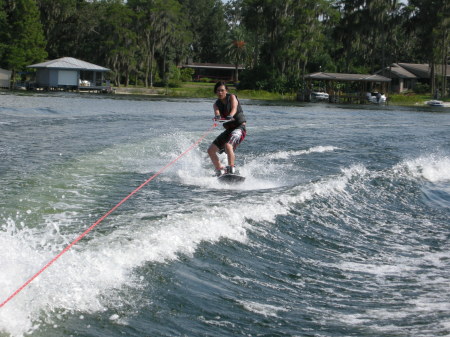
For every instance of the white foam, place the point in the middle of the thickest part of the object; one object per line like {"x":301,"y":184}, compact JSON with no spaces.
{"x":330,"y":186}
{"x":378,"y":269}
{"x":262,"y":172}
{"x":217,"y":322}
{"x":292,"y":153}
{"x":266,"y":310}
{"x":83,"y":276}
{"x":432,"y":168}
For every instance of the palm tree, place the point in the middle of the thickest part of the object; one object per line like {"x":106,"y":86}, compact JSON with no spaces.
{"x":237,"y":51}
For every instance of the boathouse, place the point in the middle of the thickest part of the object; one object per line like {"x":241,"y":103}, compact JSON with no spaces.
{"x":5,"y":78}
{"x":344,"y":88}
{"x":214,"y":71}
{"x":68,"y":73}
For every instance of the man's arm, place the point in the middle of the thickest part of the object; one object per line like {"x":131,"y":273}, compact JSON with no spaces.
{"x":216,"y":112}
{"x":234,"y":105}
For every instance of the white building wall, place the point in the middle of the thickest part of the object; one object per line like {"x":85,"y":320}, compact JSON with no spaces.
{"x":68,"y":77}
{"x":5,"y":78}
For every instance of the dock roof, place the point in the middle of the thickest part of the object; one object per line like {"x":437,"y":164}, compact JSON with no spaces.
{"x":347,"y":77}
{"x":68,"y":63}
{"x":212,"y":66}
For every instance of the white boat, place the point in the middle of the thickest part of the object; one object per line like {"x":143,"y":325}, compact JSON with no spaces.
{"x":84,"y":83}
{"x":376,"y":97}
{"x":435,"y":102}
{"x":319,"y":96}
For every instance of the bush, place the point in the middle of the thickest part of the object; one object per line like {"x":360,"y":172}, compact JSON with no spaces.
{"x":187,"y":74}
{"x":421,"y":88}
{"x":264,"y":78}
{"x":173,"y":76}
{"x":174,"y":84}
{"x":254,"y":79}
{"x":206,"y":80}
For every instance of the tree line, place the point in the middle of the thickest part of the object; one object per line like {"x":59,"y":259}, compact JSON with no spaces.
{"x":278,"y":41}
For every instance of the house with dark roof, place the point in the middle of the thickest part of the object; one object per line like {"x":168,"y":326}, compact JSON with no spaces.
{"x":405,"y":76}
{"x":69,"y":73}
{"x":215,"y":71}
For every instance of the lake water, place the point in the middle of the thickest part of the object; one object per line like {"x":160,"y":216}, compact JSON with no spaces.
{"x":340,"y":229}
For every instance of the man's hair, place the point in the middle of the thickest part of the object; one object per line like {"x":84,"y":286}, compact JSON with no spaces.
{"x":219,"y":84}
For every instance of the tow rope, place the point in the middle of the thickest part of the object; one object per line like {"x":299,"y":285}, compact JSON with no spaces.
{"x":106,"y":215}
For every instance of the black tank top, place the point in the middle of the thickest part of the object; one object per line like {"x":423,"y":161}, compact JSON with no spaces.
{"x":225,"y":110}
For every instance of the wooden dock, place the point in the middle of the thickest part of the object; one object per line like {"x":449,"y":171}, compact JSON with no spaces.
{"x":97,"y":89}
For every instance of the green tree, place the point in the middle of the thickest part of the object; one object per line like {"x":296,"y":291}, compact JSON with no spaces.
{"x":4,"y":36}
{"x":59,"y":20}
{"x":24,"y":37}
{"x":285,"y":36}
{"x":209,"y":28}
{"x":162,"y":33}
{"x":307,"y":36}
{"x":148,"y":30}
{"x":175,"y":37}
{"x":367,"y":33}
{"x":233,"y":14}
{"x":120,"y":40}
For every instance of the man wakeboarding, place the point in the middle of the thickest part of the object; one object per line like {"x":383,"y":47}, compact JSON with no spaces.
{"x":228,"y":108}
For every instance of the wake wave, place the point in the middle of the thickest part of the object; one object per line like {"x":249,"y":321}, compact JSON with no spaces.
{"x":83,"y":279}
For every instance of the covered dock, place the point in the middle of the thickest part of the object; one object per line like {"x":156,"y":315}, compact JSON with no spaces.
{"x":214,"y":71}
{"x":344,"y":88}
{"x":68,"y":73}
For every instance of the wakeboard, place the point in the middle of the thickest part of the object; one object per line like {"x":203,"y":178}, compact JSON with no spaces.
{"x":230,"y":178}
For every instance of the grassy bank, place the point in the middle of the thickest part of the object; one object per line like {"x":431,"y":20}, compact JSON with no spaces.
{"x":202,"y":90}
{"x":205,"y":90}
{"x":408,"y":99}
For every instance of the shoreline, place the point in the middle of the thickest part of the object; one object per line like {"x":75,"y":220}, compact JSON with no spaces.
{"x":184,"y":92}
{"x":254,"y":95}
{"x":138,"y":91}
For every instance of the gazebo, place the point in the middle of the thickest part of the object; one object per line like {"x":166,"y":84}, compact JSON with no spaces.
{"x":68,"y":73}
{"x":347,"y":88}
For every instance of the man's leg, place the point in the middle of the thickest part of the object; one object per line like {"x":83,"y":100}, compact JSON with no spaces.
{"x":236,"y":137}
{"x":229,"y":150}
{"x":212,"y":151}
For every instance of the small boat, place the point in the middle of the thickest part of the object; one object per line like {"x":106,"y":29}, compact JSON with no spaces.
{"x":434,"y":102}
{"x":319,"y":96}
{"x":84,"y":83}
{"x":376,"y":97}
